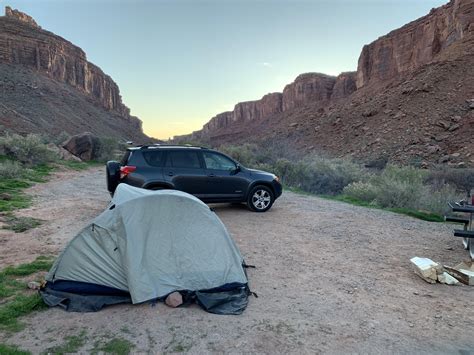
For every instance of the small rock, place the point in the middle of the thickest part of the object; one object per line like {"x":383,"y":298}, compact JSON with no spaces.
{"x":443,"y":124}
{"x":369,"y":113}
{"x":454,"y":127}
{"x":456,"y":155}
{"x":437,"y":316}
{"x":399,"y":115}
{"x":431,"y":149}
{"x":444,"y":159}
{"x":447,"y":279}
{"x":427,"y":269}
{"x":461,"y":165}
{"x":174,"y":299}
{"x":294,"y":124}
{"x":34,"y":285}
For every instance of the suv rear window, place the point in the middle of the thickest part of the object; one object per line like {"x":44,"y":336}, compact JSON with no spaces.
{"x":154,"y":158}
{"x":183,"y":159}
{"x":124,"y":160}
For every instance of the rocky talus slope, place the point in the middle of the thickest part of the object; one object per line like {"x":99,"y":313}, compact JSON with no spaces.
{"x":47,"y":85}
{"x":408,"y":102}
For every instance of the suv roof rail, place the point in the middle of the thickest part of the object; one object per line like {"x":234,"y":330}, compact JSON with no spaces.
{"x":157,"y":145}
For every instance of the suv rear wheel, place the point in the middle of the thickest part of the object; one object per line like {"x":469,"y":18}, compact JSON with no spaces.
{"x":260,"y":199}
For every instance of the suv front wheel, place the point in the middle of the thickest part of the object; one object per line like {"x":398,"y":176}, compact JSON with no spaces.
{"x":260,"y":199}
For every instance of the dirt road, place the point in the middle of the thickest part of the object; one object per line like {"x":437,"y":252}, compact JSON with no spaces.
{"x":330,"y":277}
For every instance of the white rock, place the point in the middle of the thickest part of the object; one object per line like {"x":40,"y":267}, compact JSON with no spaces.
{"x":447,"y":279}
{"x":427,"y":269}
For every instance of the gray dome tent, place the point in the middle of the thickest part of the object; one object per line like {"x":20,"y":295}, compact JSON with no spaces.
{"x":146,"y":245}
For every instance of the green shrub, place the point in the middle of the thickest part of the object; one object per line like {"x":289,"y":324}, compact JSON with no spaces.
{"x":399,"y":187}
{"x":108,"y":147}
{"x":29,"y":150}
{"x":361,"y":191}
{"x":12,"y":169}
{"x":461,"y":179}
{"x":247,"y":154}
{"x":319,"y":175}
{"x":403,"y":188}
{"x":436,"y":199}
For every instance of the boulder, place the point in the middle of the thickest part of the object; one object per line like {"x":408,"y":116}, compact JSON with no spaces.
{"x":62,"y":153}
{"x":174,"y":299}
{"x":85,"y":146}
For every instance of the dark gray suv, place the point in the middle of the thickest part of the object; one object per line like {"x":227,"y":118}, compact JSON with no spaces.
{"x":205,"y":173}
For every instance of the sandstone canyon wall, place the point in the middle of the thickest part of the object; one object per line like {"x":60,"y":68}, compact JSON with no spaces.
{"x":387,"y":58}
{"x":23,"y":42}
{"x":416,"y":43}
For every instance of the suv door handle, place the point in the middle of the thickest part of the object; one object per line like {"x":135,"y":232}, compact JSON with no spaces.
{"x":211,"y":175}
{"x":170,"y":174}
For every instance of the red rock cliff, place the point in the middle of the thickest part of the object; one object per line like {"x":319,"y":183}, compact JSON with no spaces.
{"x":23,"y":42}
{"x":309,"y":87}
{"x":416,"y":43}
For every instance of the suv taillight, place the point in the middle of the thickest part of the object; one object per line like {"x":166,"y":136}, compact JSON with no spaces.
{"x":125,"y":170}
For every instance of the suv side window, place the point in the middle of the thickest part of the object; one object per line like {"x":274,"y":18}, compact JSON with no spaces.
{"x":218,"y":161}
{"x":154,"y":158}
{"x":183,"y":159}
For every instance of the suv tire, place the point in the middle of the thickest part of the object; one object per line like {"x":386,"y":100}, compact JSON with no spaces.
{"x":260,"y":199}
{"x":113,"y":175}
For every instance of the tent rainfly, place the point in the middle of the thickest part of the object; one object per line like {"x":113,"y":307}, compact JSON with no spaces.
{"x":144,"y":246}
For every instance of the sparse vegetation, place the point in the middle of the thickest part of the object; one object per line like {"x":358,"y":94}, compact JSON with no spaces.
{"x":72,"y":344}
{"x":117,"y":346}
{"x":408,"y":190}
{"x":20,"y":224}
{"x":15,"y":298}
{"x":29,"y":150}
{"x":12,"y":350}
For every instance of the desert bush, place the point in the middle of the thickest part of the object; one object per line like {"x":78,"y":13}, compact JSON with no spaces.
{"x":29,"y":150}
{"x":403,"y":187}
{"x":12,"y":169}
{"x":362,"y":190}
{"x":462,"y":179}
{"x":436,"y":199}
{"x":247,"y":154}
{"x":110,"y":149}
{"x":400,"y":187}
{"x":318,"y":175}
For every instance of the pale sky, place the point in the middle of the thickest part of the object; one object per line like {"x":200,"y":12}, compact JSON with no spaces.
{"x":180,"y":62}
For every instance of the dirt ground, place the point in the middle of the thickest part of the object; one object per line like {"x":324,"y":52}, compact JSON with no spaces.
{"x":330,"y":277}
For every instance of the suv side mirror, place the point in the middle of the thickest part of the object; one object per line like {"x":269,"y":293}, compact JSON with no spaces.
{"x":236,"y":170}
